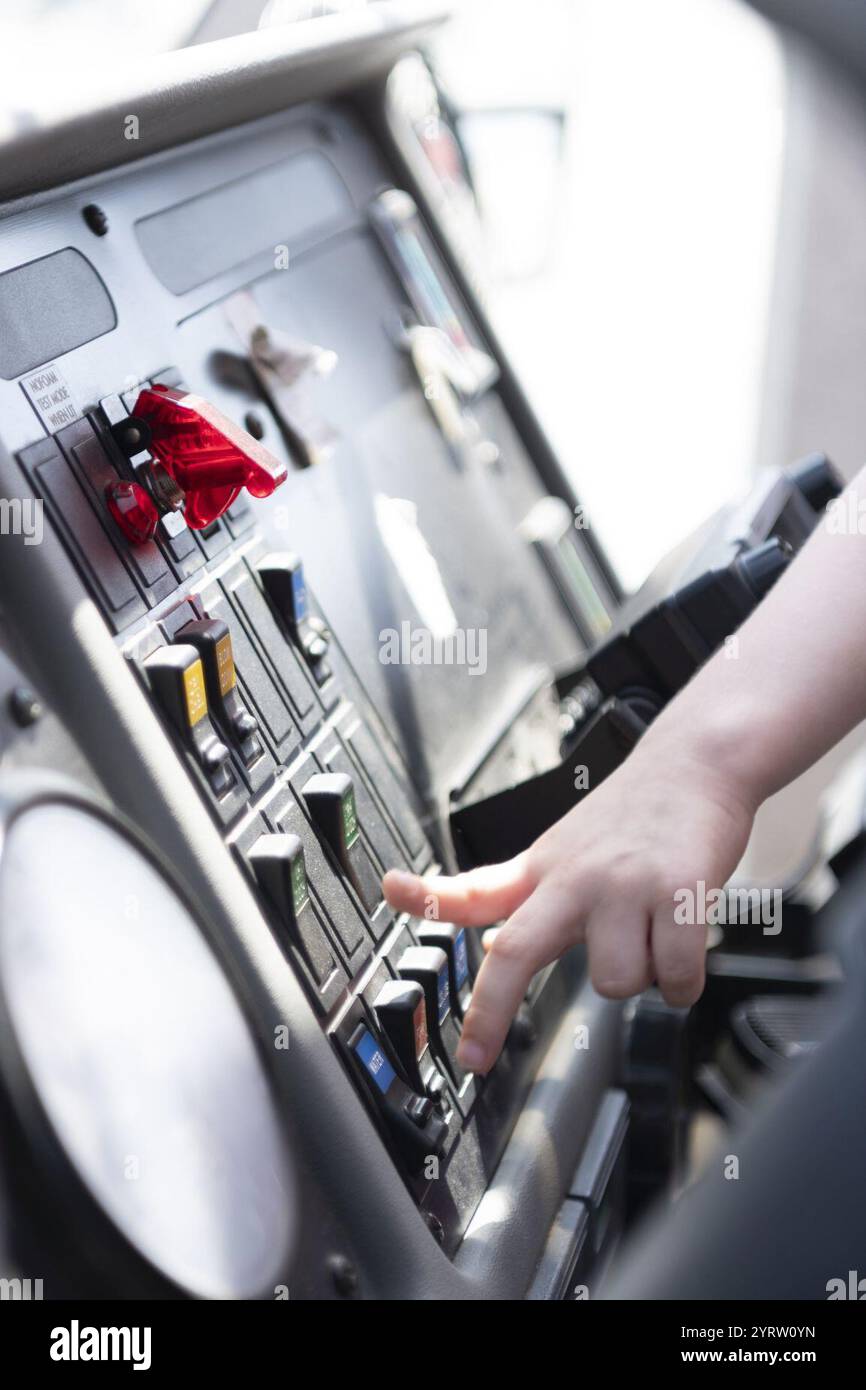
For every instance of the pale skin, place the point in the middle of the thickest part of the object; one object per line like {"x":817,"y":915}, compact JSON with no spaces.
{"x":680,"y":809}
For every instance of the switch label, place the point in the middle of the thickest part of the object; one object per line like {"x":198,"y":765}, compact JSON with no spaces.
{"x":349,"y":813}
{"x":419,"y":1023}
{"x":461,"y":959}
{"x":299,"y":595}
{"x":51,"y":398}
{"x":443,"y":993}
{"x":194,"y":693}
{"x":300,"y":893}
{"x":225,"y":664}
{"x":375,"y":1062}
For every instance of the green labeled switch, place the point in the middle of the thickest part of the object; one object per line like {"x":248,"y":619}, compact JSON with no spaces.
{"x":278,"y":864}
{"x":330,"y":799}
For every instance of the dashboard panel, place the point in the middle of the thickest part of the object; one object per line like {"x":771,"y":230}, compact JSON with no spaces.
{"x":292,"y":592}
{"x":276,"y":700}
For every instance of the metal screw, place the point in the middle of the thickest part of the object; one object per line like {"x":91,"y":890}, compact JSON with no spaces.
{"x":95,"y":219}
{"x":344,"y":1275}
{"x":132,"y":435}
{"x":24,"y":706}
{"x":435,"y":1227}
{"x":523,"y":1033}
{"x":253,"y":425}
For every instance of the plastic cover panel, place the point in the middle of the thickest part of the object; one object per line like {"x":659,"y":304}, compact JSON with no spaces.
{"x":196,"y":240}
{"x":48,"y":307}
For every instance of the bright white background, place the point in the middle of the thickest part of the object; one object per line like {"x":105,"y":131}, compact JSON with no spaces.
{"x":631,"y":281}
{"x":630,"y":262}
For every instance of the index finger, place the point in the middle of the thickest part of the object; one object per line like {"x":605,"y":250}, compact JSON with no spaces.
{"x":537,"y":934}
{"x":471,"y":899}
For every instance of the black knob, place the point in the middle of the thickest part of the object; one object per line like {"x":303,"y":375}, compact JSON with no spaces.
{"x":818,"y":480}
{"x":95,"y":218}
{"x":763,"y":565}
{"x":132,"y":435}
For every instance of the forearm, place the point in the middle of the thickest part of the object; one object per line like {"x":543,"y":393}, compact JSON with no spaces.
{"x":793,"y":682}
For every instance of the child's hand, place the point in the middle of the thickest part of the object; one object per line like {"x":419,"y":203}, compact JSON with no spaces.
{"x":681,"y":808}
{"x":605,"y":874}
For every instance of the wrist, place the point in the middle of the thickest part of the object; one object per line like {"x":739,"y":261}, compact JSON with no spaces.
{"x":715,"y":741}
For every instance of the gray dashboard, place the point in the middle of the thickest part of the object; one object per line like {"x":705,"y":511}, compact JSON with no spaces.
{"x":278,"y":209}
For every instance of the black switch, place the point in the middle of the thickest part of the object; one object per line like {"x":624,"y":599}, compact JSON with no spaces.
{"x":418,"y":1109}
{"x":177,"y":680}
{"x":402,"y":1015}
{"x":113,"y":410}
{"x":452,"y":940}
{"x":212,"y":640}
{"x":278,"y":864}
{"x":109,"y":578}
{"x":330,"y":798}
{"x":415,"y":1127}
{"x":428,"y":967}
{"x":818,"y":480}
{"x":764,"y":564}
{"x":286,"y":587}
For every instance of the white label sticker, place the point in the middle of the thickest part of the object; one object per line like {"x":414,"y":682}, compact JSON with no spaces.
{"x":50,"y":397}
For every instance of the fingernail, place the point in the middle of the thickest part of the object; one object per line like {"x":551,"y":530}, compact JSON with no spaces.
{"x":394,"y":883}
{"x":471,"y":1056}
{"x":400,"y":877}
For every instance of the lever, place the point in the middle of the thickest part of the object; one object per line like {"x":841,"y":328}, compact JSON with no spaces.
{"x":449,"y":376}
{"x":284,"y":367}
{"x":207,"y":457}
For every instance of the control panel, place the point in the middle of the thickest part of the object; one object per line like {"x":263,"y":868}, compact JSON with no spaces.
{"x":295,"y":493}
{"x":261,"y":704}
{"x":193,"y":500}
{"x":293,"y":591}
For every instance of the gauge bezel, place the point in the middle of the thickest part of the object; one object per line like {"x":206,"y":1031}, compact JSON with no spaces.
{"x":53,"y":1213}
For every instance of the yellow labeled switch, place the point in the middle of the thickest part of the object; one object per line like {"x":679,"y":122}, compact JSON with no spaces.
{"x":225,"y":664}
{"x":195,"y":695}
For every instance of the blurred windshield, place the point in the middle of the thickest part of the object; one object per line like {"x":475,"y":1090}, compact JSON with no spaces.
{"x":48,"y":43}
{"x":627,"y":160}
{"x":40,"y":37}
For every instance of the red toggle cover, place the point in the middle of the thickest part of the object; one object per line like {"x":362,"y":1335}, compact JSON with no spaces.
{"x":207,"y":454}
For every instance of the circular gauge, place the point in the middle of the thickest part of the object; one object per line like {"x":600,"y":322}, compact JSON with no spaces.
{"x":135,"y":1048}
